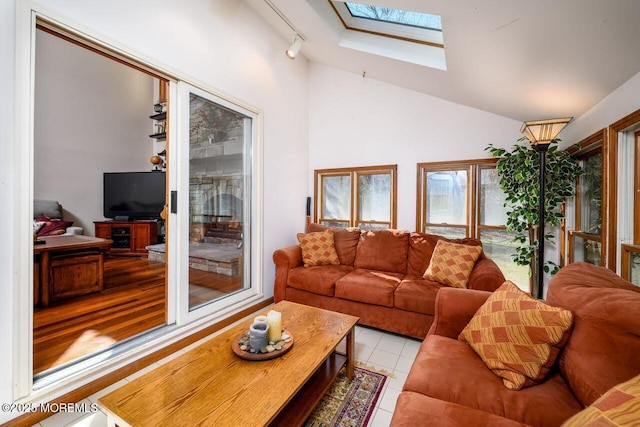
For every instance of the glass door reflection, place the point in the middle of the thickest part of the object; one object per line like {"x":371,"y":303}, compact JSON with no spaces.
{"x":218,"y":201}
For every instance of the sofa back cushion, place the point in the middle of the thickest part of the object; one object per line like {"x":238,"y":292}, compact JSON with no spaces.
{"x":384,"y":250}
{"x":421,"y":247}
{"x":48,"y":208}
{"x":344,"y":239}
{"x":604,"y":346}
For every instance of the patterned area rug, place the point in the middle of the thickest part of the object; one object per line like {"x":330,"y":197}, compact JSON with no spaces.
{"x":348,"y":403}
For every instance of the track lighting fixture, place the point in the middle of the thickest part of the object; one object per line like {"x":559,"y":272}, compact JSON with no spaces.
{"x":294,"y":47}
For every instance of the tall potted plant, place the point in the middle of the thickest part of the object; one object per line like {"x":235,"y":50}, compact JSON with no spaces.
{"x":519,"y":171}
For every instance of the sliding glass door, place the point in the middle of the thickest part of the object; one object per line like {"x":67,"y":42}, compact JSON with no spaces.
{"x":216,"y":162}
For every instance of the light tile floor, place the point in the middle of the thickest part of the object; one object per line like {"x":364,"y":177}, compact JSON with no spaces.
{"x":374,"y":348}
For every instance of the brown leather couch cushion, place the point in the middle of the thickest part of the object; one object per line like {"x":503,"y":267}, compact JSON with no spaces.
{"x":345,"y":240}
{"x":417,"y":294}
{"x":369,"y":286}
{"x":384,"y":250}
{"x":604,"y":348}
{"x":319,"y":280}
{"x":449,"y":370}
{"x":413,"y":409}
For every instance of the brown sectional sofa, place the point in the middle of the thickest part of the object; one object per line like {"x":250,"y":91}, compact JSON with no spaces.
{"x":379,"y":278}
{"x":449,"y":385}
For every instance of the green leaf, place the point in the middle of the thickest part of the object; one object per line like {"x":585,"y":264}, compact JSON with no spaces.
{"x":518,"y":170}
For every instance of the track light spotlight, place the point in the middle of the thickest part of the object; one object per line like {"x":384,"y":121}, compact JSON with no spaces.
{"x":294,"y":48}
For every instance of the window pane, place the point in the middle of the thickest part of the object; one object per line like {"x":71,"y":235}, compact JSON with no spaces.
{"x":492,"y":209}
{"x":635,"y":268}
{"x":375,"y":197}
{"x":586,"y":250}
{"x":449,"y":232}
{"x":218,"y":192}
{"x":336,"y":197}
{"x":446,"y":197}
{"x":337,"y":224}
{"x":369,"y":226}
{"x":397,"y":16}
{"x":591,"y":195}
{"x":499,"y":246}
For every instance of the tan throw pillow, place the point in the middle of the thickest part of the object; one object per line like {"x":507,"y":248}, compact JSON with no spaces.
{"x":517,"y":336}
{"x":452,"y":263}
{"x":318,"y":248}
{"x":620,"y":406}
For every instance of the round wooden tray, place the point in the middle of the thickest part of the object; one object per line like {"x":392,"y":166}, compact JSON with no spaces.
{"x":259,"y":356}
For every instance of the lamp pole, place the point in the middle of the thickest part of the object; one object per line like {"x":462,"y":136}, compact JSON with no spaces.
{"x":541,"y":133}
{"x":542,"y":149}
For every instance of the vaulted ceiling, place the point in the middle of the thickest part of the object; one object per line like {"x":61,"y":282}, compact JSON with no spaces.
{"x":521,"y":59}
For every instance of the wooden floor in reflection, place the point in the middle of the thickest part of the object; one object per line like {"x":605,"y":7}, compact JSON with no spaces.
{"x":132,"y":302}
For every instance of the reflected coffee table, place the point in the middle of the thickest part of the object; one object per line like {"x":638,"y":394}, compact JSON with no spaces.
{"x":210,"y":385}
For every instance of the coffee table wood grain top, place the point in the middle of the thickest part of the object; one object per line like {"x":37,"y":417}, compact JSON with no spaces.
{"x":71,"y":241}
{"x":210,"y":385}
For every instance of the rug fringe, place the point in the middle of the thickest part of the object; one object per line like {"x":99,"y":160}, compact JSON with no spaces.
{"x":374,"y":369}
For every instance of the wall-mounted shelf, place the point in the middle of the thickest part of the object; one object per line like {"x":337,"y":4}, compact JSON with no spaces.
{"x":160,"y":119}
{"x":159,"y":116}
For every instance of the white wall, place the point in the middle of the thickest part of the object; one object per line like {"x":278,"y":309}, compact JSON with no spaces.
{"x":618,"y":104}
{"x":220,"y":44}
{"x":356,"y":121}
{"x":91,"y":116}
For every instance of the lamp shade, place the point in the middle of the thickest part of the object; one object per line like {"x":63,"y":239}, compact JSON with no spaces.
{"x":294,"y":48}
{"x":543,"y":131}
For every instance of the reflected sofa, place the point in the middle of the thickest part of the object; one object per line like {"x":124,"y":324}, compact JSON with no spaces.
{"x":379,"y":278}
{"x":449,"y":385}
{"x":48,"y":216}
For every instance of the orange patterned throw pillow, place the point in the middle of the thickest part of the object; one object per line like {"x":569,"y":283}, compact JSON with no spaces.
{"x":517,"y":336}
{"x":452,"y":263}
{"x":620,"y":406}
{"x":318,"y":248}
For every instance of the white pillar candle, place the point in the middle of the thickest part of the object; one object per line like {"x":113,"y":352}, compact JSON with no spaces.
{"x":274,"y":320}
{"x":260,"y":319}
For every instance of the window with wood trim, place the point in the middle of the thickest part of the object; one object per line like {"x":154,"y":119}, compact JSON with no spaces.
{"x":586,"y":241}
{"x":620,"y":161}
{"x":631,"y":263}
{"x":631,"y":253}
{"x":363,"y":197}
{"x":636,"y":189}
{"x":464,"y":199}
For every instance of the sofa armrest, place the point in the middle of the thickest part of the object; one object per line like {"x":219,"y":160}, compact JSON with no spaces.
{"x":285,"y":259}
{"x":74,"y":231}
{"x":486,"y":276}
{"x":454,"y":309}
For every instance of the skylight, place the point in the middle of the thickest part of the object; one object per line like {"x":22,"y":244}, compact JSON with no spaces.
{"x":397,"y":16}
{"x":406,"y":25}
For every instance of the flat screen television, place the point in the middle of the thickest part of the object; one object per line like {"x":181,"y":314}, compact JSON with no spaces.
{"x":133,"y":195}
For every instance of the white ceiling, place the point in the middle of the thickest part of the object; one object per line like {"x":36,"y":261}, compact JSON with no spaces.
{"x":523,"y":59}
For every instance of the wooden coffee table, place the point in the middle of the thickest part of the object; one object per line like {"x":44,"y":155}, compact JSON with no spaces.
{"x":67,"y":266}
{"x":210,"y":385}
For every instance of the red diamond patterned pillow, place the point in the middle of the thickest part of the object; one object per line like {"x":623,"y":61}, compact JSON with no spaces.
{"x":452,"y":263}
{"x":318,"y":248}
{"x":517,"y":336}
{"x":620,"y":406}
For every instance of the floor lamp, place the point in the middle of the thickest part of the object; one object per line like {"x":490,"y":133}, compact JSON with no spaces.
{"x":541,"y":133}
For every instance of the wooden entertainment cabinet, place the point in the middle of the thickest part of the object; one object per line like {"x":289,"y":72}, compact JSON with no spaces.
{"x":128,"y":236}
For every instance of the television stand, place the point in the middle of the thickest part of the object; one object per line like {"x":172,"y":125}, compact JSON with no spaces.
{"x":129,"y":237}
